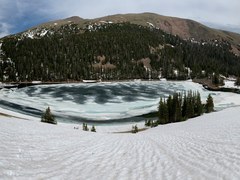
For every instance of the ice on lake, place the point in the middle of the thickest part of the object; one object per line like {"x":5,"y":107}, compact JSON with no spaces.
{"x":119,"y":101}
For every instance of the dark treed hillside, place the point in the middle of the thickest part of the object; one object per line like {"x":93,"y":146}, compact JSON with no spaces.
{"x":111,"y":51}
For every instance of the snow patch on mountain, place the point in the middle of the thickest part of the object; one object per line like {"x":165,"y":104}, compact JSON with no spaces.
{"x":151,"y":24}
{"x":35,"y":33}
{"x":43,"y":32}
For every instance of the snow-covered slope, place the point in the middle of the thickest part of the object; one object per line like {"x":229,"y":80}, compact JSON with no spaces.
{"x":207,"y":147}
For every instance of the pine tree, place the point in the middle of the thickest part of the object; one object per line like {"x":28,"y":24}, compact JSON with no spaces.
{"x":170,"y":109}
{"x":154,"y":123}
{"x":177,"y":108}
{"x":209,"y":107}
{"x":85,"y":127}
{"x":215,"y":79}
{"x":48,"y":117}
{"x":134,"y":129}
{"x":93,"y":129}
{"x":163,"y":112}
{"x":190,"y":105}
{"x":184,"y":107}
{"x":148,"y":122}
{"x":198,"y":107}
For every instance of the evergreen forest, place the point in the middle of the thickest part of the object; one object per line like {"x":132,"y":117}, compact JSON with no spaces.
{"x":112,"y":52}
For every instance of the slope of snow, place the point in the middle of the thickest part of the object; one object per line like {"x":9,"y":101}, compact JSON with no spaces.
{"x":206,"y":147}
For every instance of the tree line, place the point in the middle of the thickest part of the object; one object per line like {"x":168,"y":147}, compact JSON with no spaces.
{"x":178,"y":107}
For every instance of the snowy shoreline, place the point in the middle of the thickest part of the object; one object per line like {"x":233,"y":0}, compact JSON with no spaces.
{"x":116,"y":108}
{"x":101,"y":128}
{"x":108,"y":128}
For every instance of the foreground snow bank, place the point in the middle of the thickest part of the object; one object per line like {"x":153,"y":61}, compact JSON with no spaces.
{"x":205,"y":147}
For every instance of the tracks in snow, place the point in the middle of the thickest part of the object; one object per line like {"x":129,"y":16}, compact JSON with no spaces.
{"x":198,"y":149}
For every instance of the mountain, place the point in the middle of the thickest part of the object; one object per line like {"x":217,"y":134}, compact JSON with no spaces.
{"x":184,"y":28}
{"x":123,"y":46}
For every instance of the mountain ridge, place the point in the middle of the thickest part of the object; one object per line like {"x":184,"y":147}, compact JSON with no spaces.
{"x":184,"y":28}
{"x":125,"y":46}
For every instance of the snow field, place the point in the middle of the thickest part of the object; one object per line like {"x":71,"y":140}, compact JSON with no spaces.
{"x":205,"y":147}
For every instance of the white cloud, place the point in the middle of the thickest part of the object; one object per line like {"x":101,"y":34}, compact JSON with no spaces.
{"x":214,"y":11}
{"x":17,"y":15}
{"x":4,"y":29}
{"x":6,"y":8}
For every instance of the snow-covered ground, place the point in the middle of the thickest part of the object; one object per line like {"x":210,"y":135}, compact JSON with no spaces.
{"x":206,"y":147}
{"x":230,"y":84}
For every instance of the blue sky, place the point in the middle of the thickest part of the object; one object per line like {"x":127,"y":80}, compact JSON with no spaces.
{"x":19,"y":15}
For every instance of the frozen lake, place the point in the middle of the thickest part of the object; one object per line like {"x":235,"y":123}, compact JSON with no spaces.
{"x":103,"y":102}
